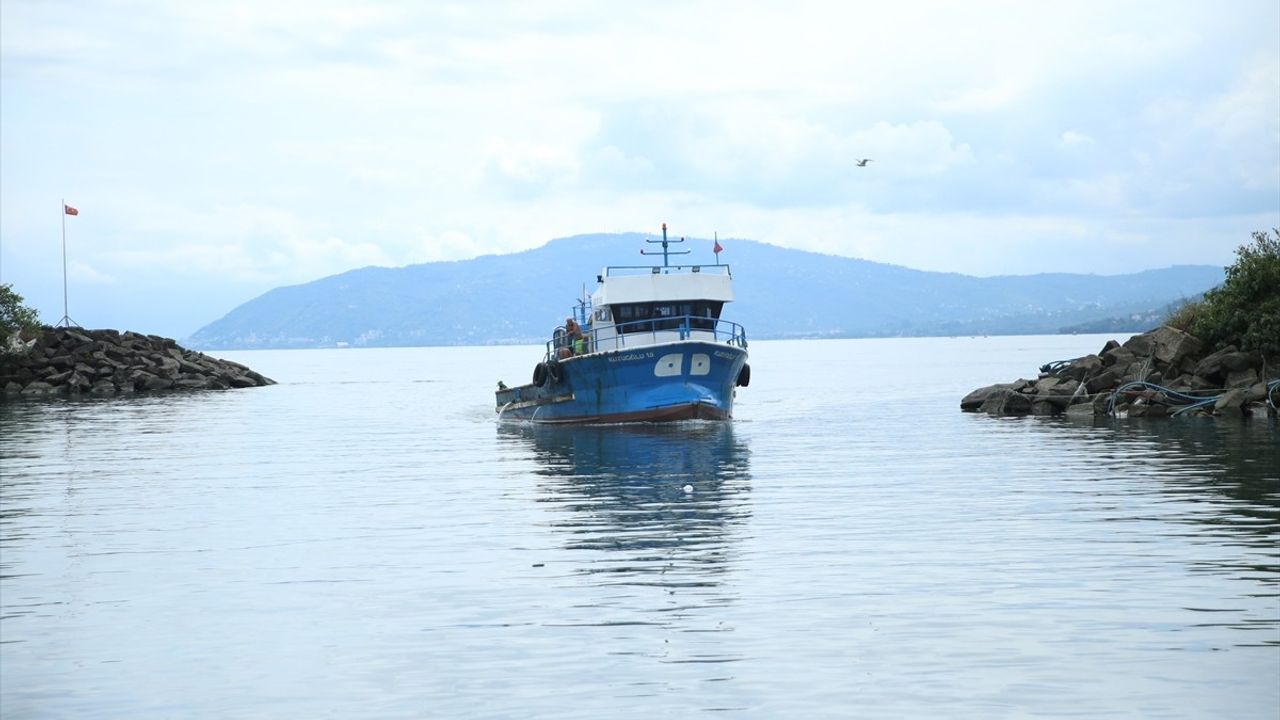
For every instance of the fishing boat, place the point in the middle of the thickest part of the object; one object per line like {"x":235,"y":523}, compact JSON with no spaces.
{"x":648,"y":345}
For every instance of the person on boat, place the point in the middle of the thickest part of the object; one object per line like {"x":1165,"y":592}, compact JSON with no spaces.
{"x":572,"y":335}
{"x":577,"y":341}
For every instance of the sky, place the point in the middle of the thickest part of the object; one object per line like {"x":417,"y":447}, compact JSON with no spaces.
{"x":216,"y":150}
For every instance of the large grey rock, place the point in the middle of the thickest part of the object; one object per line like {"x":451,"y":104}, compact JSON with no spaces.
{"x":1138,"y":370}
{"x":1211,"y":364}
{"x":1242,"y":378}
{"x":143,"y":380}
{"x":20,"y":375}
{"x":1119,"y":356}
{"x":1256,"y":392}
{"x":1198,"y":384}
{"x":79,"y":382}
{"x":1082,"y":368}
{"x":974,"y":400}
{"x":39,"y":388}
{"x":1097,"y":407}
{"x":115,"y":352}
{"x":79,"y":338}
{"x":1042,"y":407}
{"x":1006,"y":402}
{"x":1068,"y":387}
{"x":1240,"y":361}
{"x":59,"y":378}
{"x":1139,"y":345}
{"x":167,"y":367}
{"x":1080,"y":410}
{"x":1230,"y":399}
{"x":1172,"y":344}
{"x":1045,"y":385}
{"x":1108,"y":379}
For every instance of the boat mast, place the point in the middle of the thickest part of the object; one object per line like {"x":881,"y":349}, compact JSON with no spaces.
{"x":665,"y":251}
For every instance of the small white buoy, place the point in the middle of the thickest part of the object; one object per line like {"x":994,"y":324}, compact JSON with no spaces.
{"x":688,"y":488}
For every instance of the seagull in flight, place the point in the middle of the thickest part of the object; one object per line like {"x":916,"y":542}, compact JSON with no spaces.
{"x":863,"y":162}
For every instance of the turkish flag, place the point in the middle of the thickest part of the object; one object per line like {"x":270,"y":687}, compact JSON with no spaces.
{"x":717,"y":249}
{"x":70,"y":210}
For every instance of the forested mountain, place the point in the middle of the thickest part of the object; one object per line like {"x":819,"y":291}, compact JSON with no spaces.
{"x":781,"y":293}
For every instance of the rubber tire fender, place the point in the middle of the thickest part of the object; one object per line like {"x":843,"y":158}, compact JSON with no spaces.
{"x":539,"y":373}
{"x":744,"y":376}
{"x":554,"y":373}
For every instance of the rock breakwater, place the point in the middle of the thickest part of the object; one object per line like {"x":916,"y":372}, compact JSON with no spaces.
{"x":76,"y":362}
{"x":1160,"y":373}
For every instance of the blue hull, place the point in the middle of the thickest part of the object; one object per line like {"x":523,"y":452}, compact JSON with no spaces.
{"x":688,"y":380}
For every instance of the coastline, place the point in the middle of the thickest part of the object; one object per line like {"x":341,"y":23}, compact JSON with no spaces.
{"x":1161,"y":373}
{"x":75,"y":362}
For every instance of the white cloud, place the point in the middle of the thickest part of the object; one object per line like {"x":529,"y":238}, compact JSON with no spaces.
{"x":1105,"y":191}
{"x":1072,"y":138}
{"x":527,"y":163}
{"x":1245,"y":124}
{"x":265,"y":144}
{"x":81,"y":272}
{"x":921,"y":148}
{"x":997,"y":95}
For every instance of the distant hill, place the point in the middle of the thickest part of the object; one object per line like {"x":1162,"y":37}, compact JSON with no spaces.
{"x":519,"y":298}
{"x":1138,"y":318}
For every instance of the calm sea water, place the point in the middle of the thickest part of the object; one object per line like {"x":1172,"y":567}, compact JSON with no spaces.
{"x":363,"y":541}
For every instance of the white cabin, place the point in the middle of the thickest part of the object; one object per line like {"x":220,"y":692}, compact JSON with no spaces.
{"x":634,"y":306}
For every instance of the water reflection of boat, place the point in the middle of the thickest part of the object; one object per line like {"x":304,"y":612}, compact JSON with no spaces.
{"x":662,"y":500}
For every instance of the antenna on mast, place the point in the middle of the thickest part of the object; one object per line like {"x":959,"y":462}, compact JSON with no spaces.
{"x":665,"y":251}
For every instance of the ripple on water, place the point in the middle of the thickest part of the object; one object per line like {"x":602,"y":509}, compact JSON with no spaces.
{"x":372,"y":548}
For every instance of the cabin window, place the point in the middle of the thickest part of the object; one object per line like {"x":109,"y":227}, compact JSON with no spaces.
{"x":701,"y":315}
{"x":664,"y":318}
{"x":602,"y":314}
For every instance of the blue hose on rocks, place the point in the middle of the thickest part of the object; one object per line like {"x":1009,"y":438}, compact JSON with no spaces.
{"x":1272,"y":387}
{"x":1053,"y":368}
{"x":1190,"y":402}
{"x":1196,"y":405}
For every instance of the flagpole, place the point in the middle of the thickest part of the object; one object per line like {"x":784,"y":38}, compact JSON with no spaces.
{"x":65,"y":314}
{"x":66,"y":317}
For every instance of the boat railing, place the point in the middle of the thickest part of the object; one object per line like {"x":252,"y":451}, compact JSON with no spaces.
{"x":625,"y":270}
{"x":651,"y":331}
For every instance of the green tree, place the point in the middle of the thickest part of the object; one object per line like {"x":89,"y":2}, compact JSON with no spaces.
{"x":14,"y":316}
{"x":1245,"y":309}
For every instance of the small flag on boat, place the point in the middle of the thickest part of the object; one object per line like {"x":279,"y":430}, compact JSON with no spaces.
{"x":717,"y":249}
{"x":69,"y":210}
